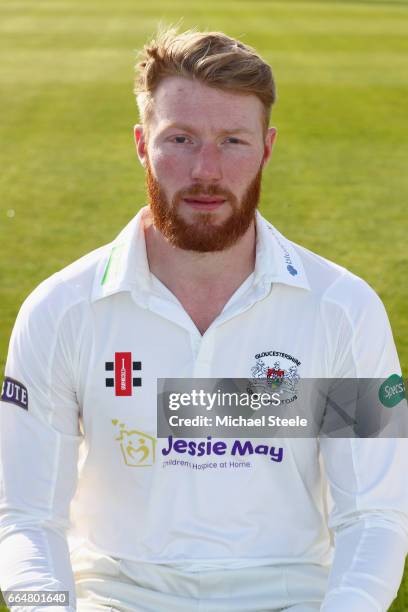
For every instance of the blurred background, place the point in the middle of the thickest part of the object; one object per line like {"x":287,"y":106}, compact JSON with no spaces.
{"x":338,"y":179}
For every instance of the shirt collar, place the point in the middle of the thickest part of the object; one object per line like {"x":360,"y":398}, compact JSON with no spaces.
{"x":277,"y":259}
{"x":124,"y":265}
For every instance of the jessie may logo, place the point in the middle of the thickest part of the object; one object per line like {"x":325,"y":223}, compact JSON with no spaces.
{"x":219,"y":448}
{"x":138,"y":448}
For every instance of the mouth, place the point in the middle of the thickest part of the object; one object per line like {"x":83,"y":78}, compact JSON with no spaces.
{"x":204,"y":202}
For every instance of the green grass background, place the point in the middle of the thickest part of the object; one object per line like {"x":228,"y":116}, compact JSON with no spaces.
{"x":337,"y":182}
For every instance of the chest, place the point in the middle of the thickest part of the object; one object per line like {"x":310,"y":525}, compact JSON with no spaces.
{"x":128,"y":348}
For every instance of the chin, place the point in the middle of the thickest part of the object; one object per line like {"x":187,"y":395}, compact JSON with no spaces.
{"x":202,"y":217}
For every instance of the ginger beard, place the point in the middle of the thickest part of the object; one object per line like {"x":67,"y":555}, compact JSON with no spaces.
{"x":202,"y":234}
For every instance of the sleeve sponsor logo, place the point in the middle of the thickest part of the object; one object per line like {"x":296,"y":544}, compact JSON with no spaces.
{"x":14,"y":392}
{"x":392,"y":391}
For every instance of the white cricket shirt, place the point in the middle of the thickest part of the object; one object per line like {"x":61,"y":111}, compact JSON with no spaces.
{"x":86,"y":351}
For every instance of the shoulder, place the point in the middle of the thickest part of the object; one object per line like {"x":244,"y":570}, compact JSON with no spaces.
{"x":336,"y":285}
{"x":67,"y":288}
{"x":353,"y":319}
{"x":85,"y":280}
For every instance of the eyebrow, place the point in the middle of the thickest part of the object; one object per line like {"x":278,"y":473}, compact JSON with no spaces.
{"x":189,"y":128}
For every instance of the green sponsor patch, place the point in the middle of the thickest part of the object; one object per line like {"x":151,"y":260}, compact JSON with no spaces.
{"x":392,"y":391}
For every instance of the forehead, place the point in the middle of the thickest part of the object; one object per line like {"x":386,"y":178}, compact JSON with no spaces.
{"x":178,"y":99}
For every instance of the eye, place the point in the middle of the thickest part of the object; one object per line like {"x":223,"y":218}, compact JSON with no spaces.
{"x":180,"y":139}
{"x":233,"y":140}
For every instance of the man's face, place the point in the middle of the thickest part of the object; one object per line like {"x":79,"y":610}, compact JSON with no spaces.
{"x":204,"y":157}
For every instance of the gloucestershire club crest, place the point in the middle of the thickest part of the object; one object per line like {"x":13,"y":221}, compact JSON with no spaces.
{"x":275,"y":372}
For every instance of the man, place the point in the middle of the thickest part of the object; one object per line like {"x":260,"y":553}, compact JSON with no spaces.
{"x":198,"y":285}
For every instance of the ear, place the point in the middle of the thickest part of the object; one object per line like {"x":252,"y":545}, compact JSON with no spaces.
{"x":270,"y":139}
{"x":140,"y":142}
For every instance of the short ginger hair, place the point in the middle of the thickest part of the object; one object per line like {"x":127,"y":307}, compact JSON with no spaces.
{"x":213,"y":58}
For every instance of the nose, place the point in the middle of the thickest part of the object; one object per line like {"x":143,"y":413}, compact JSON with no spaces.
{"x":207,"y":164}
